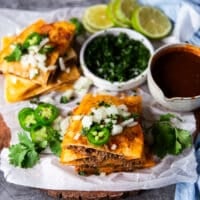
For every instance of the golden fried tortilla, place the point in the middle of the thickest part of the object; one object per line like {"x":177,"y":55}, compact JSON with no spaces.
{"x":18,"y":89}
{"x":60,"y":35}
{"x":130,"y":142}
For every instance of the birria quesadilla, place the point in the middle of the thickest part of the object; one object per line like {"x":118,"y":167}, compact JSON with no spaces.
{"x":38,"y":60}
{"x":105,"y":135}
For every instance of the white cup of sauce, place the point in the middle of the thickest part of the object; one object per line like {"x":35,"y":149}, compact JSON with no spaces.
{"x":174,"y":76}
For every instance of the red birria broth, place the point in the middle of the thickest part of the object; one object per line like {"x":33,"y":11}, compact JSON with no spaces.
{"x":177,"y":72}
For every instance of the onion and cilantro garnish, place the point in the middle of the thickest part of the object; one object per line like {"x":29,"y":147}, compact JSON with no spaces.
{"x":38,"y":123}
{"x":116,"y":58}
{"x":34,"y":39}
{"x":106,"y":120}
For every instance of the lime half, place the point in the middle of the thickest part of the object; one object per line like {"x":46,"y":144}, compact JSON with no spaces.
{"x":112,"y":7}
{"x":96,"y":17}
{"x":88,"y":27}
{"x":151,"y":22}
{"x":123,"y":10}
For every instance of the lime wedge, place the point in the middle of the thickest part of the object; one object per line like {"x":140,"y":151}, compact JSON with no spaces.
{"x":88,"y":27}
{"x":151,"y":22}
{"x":111,"y":14}
{"x":123,"y":10}
{"x":96,"y":17}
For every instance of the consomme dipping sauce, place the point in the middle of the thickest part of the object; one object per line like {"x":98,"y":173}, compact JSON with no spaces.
{"x":176,"y":71}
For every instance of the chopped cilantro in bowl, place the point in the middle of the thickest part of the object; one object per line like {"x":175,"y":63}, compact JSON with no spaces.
{"x":116,"y":58}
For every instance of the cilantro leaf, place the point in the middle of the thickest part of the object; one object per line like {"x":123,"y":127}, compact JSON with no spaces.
{"x":55,"y":143}
{"x":79,"y":26}
{"x":55,"y":147}
{"x":167,"y":117}
{"x":15,"y":54}
{"x":17,"y":154}
{"x":25,"y":141}
{"x":30,"y":159}
{"x":168,"y":139}
{"x":184,"y":137}
{"x":177,"y":148}
{"x":23,"y":154}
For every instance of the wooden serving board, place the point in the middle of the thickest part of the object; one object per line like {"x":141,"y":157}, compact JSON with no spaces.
{"x":91,"y":195}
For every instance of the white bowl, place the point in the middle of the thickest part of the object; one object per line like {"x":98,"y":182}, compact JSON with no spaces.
{"x":115,"y":86}
{"x":174,"y":103}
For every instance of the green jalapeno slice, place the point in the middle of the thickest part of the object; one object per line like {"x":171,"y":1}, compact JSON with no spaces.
{"x":98,"y":137}
{"x":27,"y":119}
{"x":39,"y":136}
{"x":46,"y":113}
{"x":33,"y":39}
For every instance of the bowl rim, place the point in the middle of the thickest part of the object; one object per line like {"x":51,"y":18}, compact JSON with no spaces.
{"x":132,"y":34}
{"x":156,"y":53}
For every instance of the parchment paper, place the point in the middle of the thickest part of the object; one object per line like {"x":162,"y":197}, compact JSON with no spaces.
{"x":49,"y":174}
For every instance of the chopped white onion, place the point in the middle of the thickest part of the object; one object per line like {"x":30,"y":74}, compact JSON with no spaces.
{"x":43,"y":42}
{"x":51,"y":67}
{"x":77,"y":117}
{"x":40,"y":57}
{"x":116,"y":129}
{"x":56,"y":123}
{"x":77,"y":136}
{"x":99,"y":114}
{"x":33,"y":72}
{"x":87,"y":121}
{"x":68,"y":70}
{"x":112,"y":110}
{"x":48,"y":99}
{"x":127,"y":122}
{"x":33,"y":49}
{"x":64,"y":124}
{"x":132,"y":124}
{"x":123,"y":107}
{"x":61,"y":64}
{"x":68,"y":94}
{"x":113,"y":147}
{"x":82,"y":82}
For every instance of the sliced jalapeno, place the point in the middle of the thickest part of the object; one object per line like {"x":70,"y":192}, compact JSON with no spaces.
{"x":27,"y":119}
{"x":33,"y":39}
{"x":98,"y":137}
{"x":46,"y":113}
{"x":39,"y":136}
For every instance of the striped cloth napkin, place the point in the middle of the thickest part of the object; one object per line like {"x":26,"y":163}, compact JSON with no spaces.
{"x":185,"y":15}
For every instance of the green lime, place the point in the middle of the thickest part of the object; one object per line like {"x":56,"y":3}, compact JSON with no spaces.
{"x":111,"y":14}
{"x":151,"y":22}
{"x":88,"y":27}
{"x":123,"y":10}
{"x":96,"y":17}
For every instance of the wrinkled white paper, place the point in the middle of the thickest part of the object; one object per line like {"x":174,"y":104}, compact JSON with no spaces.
{"x":49,"y":174}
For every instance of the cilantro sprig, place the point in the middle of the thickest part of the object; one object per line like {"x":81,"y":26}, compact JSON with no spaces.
{"x":23,"y":154}
{"x":79,"y":26}
{"x":169,"y":139}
